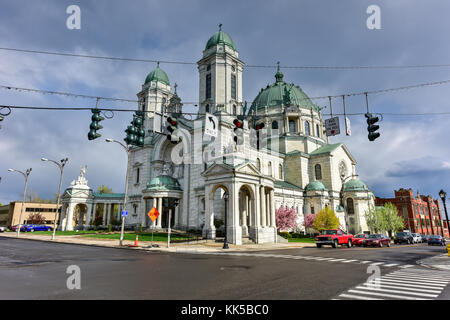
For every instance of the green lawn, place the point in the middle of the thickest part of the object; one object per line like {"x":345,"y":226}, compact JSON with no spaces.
{"x":142,"y":236}
{"x":304,"y":240}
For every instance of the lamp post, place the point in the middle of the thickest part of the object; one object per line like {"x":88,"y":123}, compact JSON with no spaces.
{"x":443,"y":195}
{"x":26,"y":174}
{"x":127,"y":149}
{"x":60,"y":165}
{"x":225,"y":241}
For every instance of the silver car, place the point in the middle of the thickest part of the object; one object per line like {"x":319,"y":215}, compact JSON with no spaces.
{"x":2,"y":229}
{"x":417,"y":238}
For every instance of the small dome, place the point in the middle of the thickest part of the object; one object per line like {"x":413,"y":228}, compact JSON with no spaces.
{"x":164,"y":182}
{"x":220,"y":37}
{"x":355,"y":185}
{"x":157,"y":75}
{"x":315,"y":186}
{"x":279,"y":93}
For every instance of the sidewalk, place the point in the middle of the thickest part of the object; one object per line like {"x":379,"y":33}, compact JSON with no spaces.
{"x":201,"y":246}
{"x":440,"y":262}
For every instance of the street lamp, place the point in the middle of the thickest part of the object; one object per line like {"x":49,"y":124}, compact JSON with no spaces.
{"x":225,"y":241}
{"x":127,"y":149}
{"x":443,"y":195}
{"x":60,"y":165}
{"x":26,"y":174}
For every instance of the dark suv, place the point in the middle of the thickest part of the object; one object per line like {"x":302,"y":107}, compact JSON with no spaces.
{"x":401,"y":237}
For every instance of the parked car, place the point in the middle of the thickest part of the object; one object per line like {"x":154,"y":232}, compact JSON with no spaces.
{"x":436,"y":239}
{"x":425,"y":237}
{"x":2,"y":229}
{"x":377,"y":240}
{"x":359,"y":239}
{"x":417,"y":238}
{"x":14,"y":228}
{"x":334,"y":237}
{"x":403,"y":237}
{"x":36,"y":227}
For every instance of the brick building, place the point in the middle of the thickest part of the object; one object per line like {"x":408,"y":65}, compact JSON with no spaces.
{"x":422,"y":214}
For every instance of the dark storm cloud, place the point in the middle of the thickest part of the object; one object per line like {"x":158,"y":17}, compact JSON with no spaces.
{"x":292,"y":32}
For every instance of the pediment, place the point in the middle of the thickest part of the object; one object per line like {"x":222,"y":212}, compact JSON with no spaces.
{"x":248,"y":168}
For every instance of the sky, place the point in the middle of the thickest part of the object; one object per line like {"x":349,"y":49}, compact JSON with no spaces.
{"x":412,"y":151}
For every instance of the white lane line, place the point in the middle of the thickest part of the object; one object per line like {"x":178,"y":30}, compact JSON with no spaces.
{"x":414,"y":282}
{"x":386,"y":295}
{"x":416,"y":279}
{"x":391,"y":265}
{"x":367,"y":261}
{"x":399,"y":291}
{"x":406,"y":289}
{"x":337,"y":260}
{"x":351,"y":296}
{"x":430,"y":277}
{"x":347,"y":261}
{"x":322,"y":259}
{"x":406,"y":266}
{"x":407,"y":284}
{"x":376,"y":263}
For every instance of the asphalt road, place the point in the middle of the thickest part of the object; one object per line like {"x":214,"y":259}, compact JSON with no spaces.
{"x":37,"y":270}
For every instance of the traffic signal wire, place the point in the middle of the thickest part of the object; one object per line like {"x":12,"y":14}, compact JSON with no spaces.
{"x":392,"y":67}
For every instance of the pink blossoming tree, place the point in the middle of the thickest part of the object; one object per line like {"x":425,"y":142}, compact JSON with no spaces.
{"x":286,"y":218}
{"x":308,"y":223}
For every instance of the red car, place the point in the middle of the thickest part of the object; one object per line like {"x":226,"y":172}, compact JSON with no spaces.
{"x":358,"y":240}
{"x":334,"y":237}
{"x":377,"y":240}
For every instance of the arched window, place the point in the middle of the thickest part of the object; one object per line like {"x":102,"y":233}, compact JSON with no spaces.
{"x":307,"y":129}
{"x":275,"y":125}
{"x":234,"y":109}
{"x":318,"y":171}
{"x":280,"y":172}
{"x":207,"y":108}
{"x":269,"y":168}
{"x":291,"y":126}
{"x":317,"y":130}
{"x":258,"y":164}
{"x":350,"y":207}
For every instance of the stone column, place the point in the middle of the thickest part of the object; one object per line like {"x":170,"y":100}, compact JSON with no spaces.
{"x":88,"y":214}
{"x":272,"y":208}
{"x":257,"y":206}
{"x":69,"y":225}
{"x":104,"y":214}
{"x":160,"y":209}
{"x":176,"y":215}
{"x":108,"y":213}
{"x":62,"y":215}
{"x":263,"y":206}
{"x":209,"y":230}
{"x":268,"y":210}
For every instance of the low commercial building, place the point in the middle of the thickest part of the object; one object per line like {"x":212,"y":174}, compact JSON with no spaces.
{"x":10,"y":213}
{"x":422,"y":214}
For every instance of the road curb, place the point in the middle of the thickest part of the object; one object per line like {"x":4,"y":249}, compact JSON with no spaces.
{"x":435,"y":266}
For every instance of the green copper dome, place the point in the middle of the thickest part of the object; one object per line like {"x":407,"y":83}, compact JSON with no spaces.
{"x":315,"y":186}
{"x":279,"y":93}
{"x":220,"y":37}
{"x":355,"y":185}
{"x":164,"y":183}
{"x":157,"y":75}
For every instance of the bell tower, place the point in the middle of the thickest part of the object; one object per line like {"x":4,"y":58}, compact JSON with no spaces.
{"x":220,"y":76}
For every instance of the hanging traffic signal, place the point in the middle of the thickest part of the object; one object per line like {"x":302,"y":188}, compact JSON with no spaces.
{"x":138,"y":123}
{"x":131,"y":137}
{"x":96,"y":118}
{"x":238,"y":131}
{"x":258,"y":128}
{"x":172,"y":126}
{"x":372,"y":127}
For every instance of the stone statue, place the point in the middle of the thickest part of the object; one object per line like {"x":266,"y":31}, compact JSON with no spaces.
{"x":168,"y":168}
{"x":83,"y":171}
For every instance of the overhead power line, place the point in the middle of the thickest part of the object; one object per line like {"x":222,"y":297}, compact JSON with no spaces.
{"x":76,"y":95}
{"x":418,"y":66}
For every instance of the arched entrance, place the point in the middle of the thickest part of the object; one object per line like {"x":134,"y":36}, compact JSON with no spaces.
{"x":215,"y":212}
{"x":79,"y":216}
{"x":246,"y":210}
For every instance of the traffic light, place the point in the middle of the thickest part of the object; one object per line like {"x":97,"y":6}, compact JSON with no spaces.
{"x":258,"y":128}
{"x":1,"y":119}
{"x":96,"y":118}
{"x":372,"y":127}
{"x":135,"y":132}
{"x":172,"y":126}
{"x":238,"y":131}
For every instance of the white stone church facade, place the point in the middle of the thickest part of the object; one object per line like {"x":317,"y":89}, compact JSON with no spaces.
{"x":303,"y":172}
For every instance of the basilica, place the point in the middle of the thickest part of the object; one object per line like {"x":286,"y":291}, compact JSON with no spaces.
{"x":242,"y":184}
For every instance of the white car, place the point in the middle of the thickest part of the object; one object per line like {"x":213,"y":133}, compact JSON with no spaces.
{"x":417,"y":238}
{"x":2,"y":229}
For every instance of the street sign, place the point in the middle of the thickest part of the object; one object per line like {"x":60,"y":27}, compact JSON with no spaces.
{"x":153,"y":214}
{"x":332,"y":126}
{"x":348,"y":129}
{"x":211,"y":125}
{"x":124,"y":213}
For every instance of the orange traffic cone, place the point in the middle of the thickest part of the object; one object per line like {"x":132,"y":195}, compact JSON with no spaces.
{"x":136,"y":244}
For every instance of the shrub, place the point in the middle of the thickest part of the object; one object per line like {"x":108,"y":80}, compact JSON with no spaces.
{"x":285,"y":235}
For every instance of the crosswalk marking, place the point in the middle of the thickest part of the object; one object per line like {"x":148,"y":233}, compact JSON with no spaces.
{"x":413,"y":284}
{"x":391,"y":265}
{"x":347,"y":261}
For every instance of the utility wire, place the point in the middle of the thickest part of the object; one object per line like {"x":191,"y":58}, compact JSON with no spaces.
{"x":419,"y":66}
{"x":200,"y":114}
